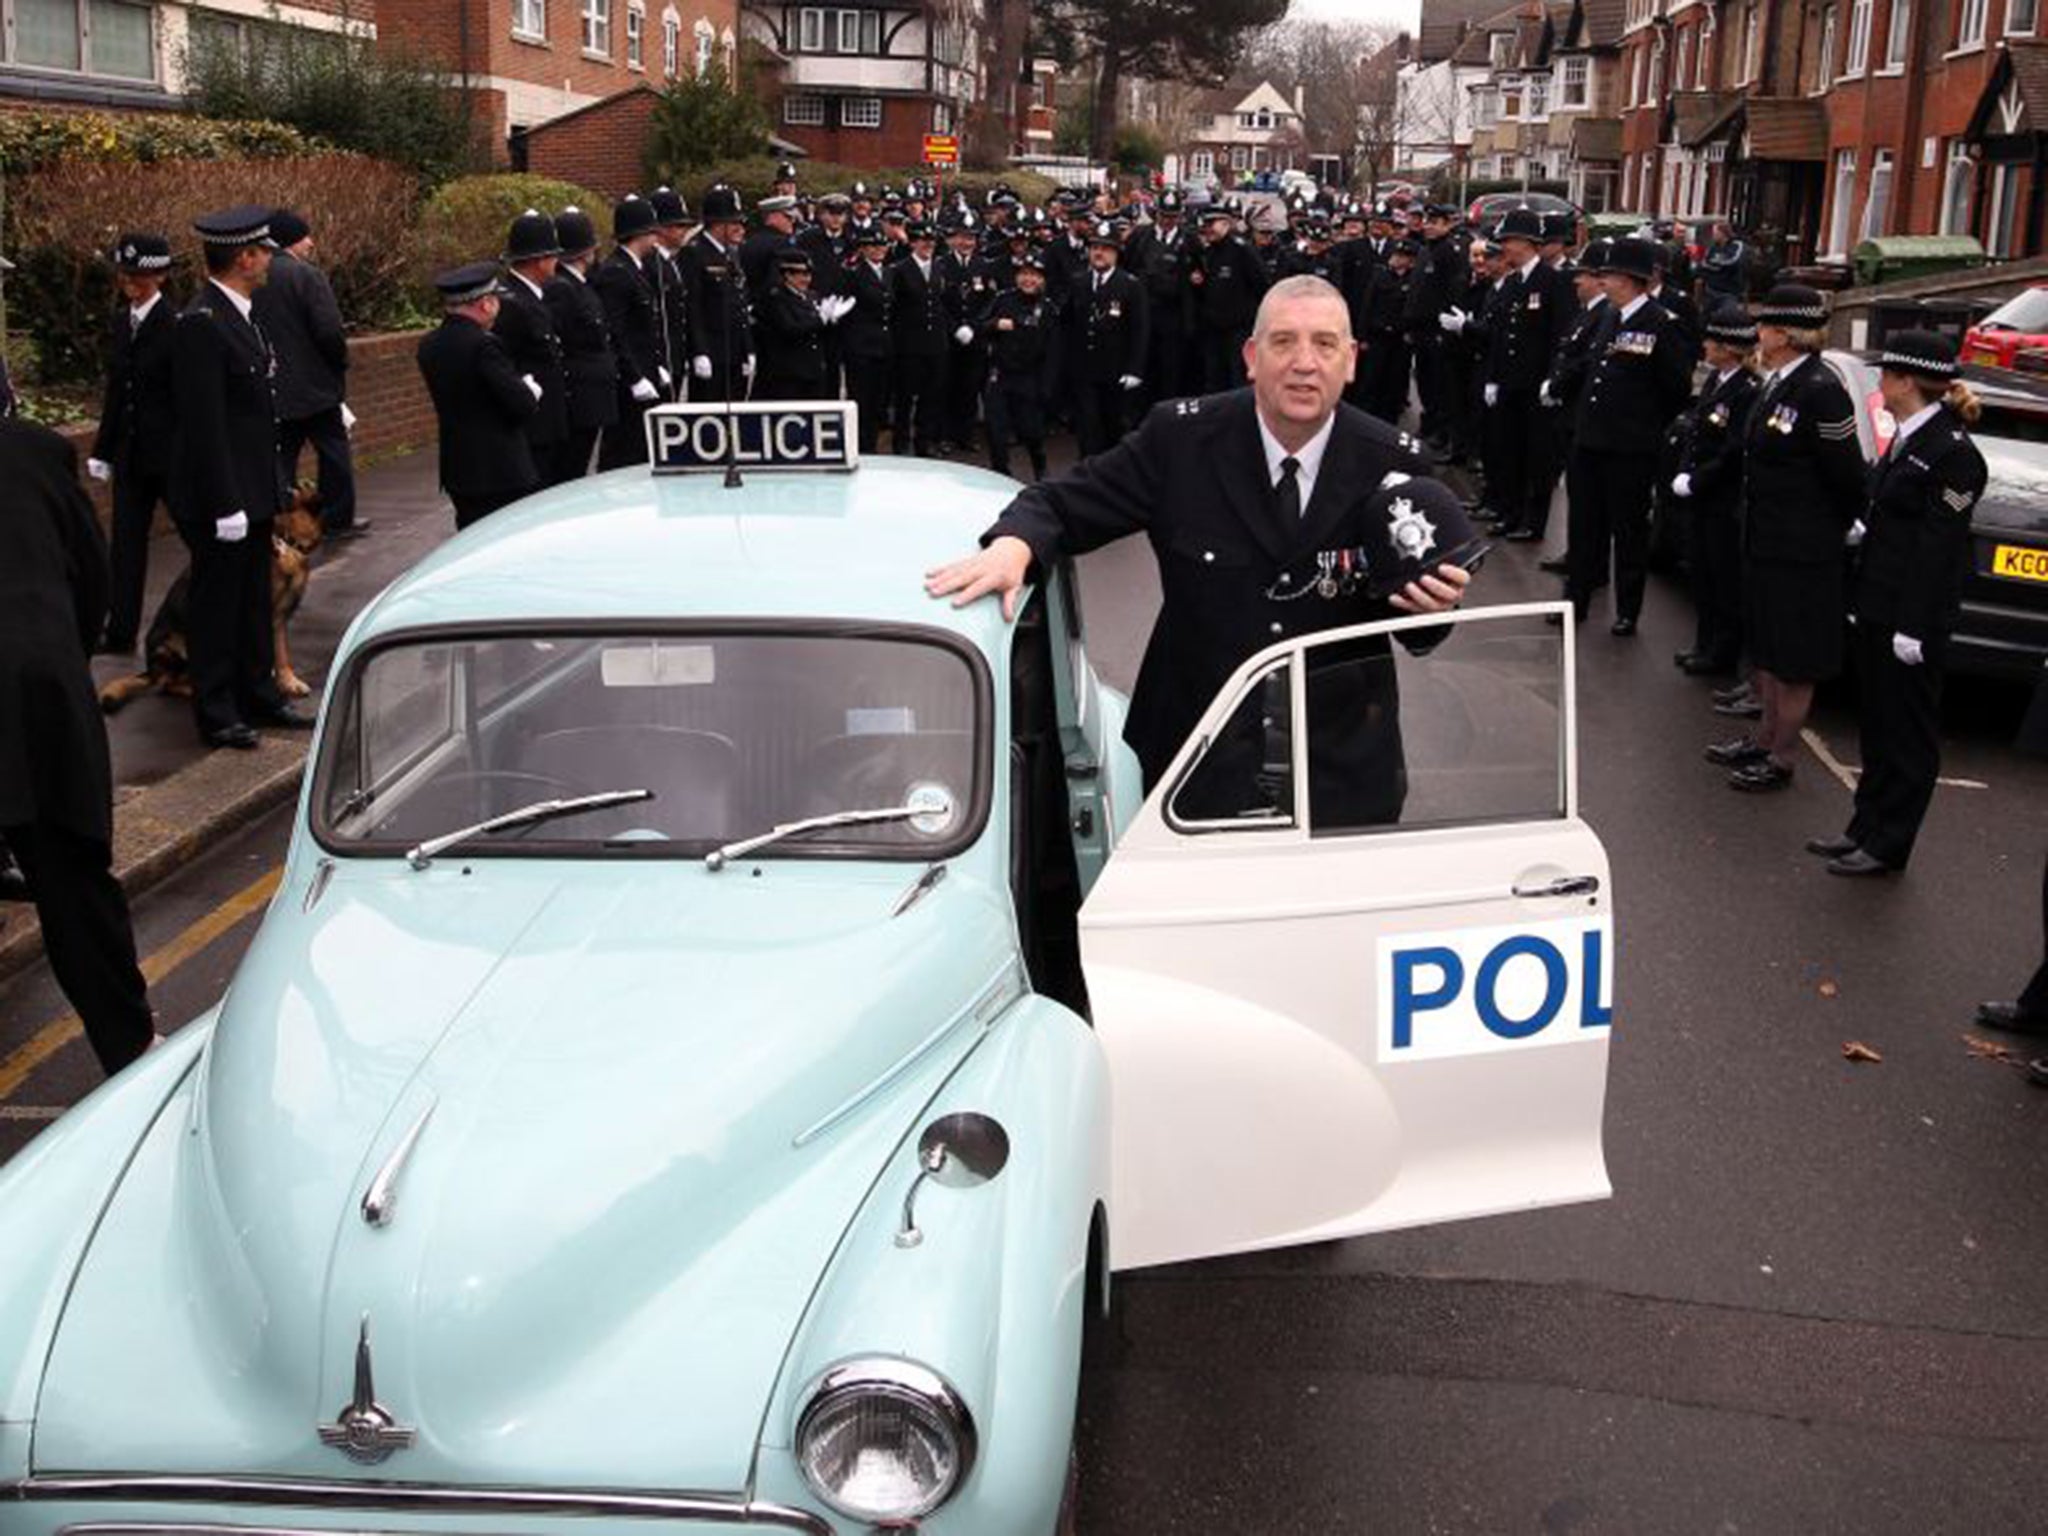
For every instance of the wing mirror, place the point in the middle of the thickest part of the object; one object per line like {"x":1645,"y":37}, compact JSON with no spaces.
{"x":960,"y":1151}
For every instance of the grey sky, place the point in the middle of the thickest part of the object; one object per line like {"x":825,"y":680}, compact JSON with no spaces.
{"x":1400,"y":13}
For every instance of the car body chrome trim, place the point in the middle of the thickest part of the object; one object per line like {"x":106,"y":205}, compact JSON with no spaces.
{"x":402,"y":1499}
{"x":382,"y":1195}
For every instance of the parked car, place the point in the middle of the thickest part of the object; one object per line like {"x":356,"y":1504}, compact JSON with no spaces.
{"x":2014,"y":335}
{"x":1485,"y":212}
{"x":725,"y":1016}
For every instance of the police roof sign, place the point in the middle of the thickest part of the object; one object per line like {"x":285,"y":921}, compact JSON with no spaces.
{"x":758,"y":434}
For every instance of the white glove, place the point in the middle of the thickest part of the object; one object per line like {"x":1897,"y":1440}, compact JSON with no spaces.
{"x":348,"y":418}
{"x":840,"y":305}
{"x":1856,"y":533}
{"x":1492,"y":393}
{"x":1908,"y":650}
{"x":533,"y":384}
{"x":1681,"y":485}
{"x":1453,"y":320}
{"x":1543,"y":394}
{"x":700,"y":365}
{"x":645,"y":392}
{"x":231,"y":529}
{"x":99,"y":469}
{"x":964,"y":335}
{"x":666,"y":380}
{"x":829,"y":311}
{"x":747,"y":367}
{"x":1130,"y":381}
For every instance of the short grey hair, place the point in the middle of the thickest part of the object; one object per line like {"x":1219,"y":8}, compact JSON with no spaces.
{"x":1303,"y":285}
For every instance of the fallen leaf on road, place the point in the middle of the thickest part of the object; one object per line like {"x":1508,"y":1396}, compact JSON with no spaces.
{"x":1856,"y":1050}
{"x":1829,"y":989}
{"x":1991,"y":1049}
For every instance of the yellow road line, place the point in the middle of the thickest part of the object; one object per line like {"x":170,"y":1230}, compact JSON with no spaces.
{"x":54,"y":1036}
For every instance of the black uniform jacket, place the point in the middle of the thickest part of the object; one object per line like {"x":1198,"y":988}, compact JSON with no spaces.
{"x":1584,"y":340}
{"x":1802,"y":470}
{"x":672,"y":300}
{"x":296,"y":309}
{"x":1713,"y":449}
{"x":1162,"y":261}
{"x":225,"y":457}
{"x":1523,"y":326}
{"x":483,"y":407}
{"x":918,"y":326}
{"x":1107,"y":327}
{"x":830,"y":256}
{"x":1916,"y":547}
{"x":53,"y":599}
{"x":1193,"y":478}
{"x":528,"y":332}
{"x":1025,"y":356}
{"x":968,"y":289}
{"x":139,"y":418}
{"x":1442,"y":276}
{"x":1233,"y":280}
{"x":757,"y":257}
{"x":721,"y":325}
{"x":791,"y":336}
{"x":632,"y":314}
{"x":865,"y":331}
{"x":587,"y":355}
{"x":1640,"y":378}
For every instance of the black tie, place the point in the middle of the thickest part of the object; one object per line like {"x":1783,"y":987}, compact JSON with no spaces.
{"x":1287,"y":494}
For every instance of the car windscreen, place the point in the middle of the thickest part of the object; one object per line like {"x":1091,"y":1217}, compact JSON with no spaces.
{"x":2026,"y":312}
{"x":733,"y":732}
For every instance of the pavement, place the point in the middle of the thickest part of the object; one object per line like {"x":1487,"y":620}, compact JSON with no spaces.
{"x":1814,"y":1302}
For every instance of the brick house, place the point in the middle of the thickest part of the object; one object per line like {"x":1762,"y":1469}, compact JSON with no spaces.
{"x":1585,"y":102}
{"x":1241,"y":130}
{"x":531,"y":61}
{"x":130,"y":54}
{"x":861,"y":82}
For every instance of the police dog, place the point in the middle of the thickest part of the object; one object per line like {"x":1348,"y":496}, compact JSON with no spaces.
{"x":168,"y":667}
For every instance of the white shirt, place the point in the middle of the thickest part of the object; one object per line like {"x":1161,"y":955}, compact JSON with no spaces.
{"x":1530,"y":265}
{"x":1309,"y":456}
{"x":1783,"y":372}
{"x":1634,"y":304}
{"x":532,"y":286}
{"x":1910,"y":425}
{"x":137,"y":313}
{"x":924,"y":267}
{"x":243,"y":306}
{"x":1725,"y":375}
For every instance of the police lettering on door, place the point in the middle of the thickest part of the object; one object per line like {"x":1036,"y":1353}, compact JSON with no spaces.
{"x":1476,"y":991}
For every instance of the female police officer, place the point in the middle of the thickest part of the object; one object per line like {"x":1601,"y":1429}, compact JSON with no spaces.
{"x":1915,"y":556}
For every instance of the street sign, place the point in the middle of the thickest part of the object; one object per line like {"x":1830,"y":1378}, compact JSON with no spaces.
{"x":941,"y":149}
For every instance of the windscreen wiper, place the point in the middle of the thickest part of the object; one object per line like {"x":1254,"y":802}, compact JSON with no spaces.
{"x":718,"y":858}
{"x":422,"y":854}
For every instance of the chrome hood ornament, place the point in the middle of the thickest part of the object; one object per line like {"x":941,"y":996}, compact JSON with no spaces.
{"x":364,"y":1431}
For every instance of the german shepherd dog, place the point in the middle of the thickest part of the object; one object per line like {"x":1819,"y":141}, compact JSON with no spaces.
{"x":294,"y":537}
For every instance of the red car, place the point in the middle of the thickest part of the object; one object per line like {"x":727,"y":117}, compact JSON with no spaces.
{"x":2014,"y":335}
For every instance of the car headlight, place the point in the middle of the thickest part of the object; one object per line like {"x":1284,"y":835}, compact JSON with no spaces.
{"x":884,"y":1439}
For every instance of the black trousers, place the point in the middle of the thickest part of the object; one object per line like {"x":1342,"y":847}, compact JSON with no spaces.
{"x":1015,"y":413}
{"x":1900,"y":729}
{"x":920,"y":401}
{"x":1610,"y":494}
{"x":1168,"y":350}
{"x":570,"y":458}
{"x":1431,"y":382}
{"x":728,"y":381}
{"x":965,"y":370}
{"x":1100,"y":414}
{"x":474,"y":509}
{"x":1549,"y":442}
{"x":625,"y":440}
{"x":88,"y":937}
{"x":136,"y":495}
{"x":1383,"y":377}
{"x":227,"y":627}
{"x":1508,"y":430}
{"x":1714,"y":552}
{"x":867,"y":384}
{"x":2033,"y":1001}
{"x":1222,"y":360}
{"x":335,"y":463}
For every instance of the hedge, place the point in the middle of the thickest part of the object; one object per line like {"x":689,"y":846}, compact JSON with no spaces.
{"x":32,"y":140}
{"x":468,"y":219}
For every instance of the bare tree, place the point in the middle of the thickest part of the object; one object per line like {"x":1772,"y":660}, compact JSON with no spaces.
{"x":996,"y":126}
{"x":1345,"y":70}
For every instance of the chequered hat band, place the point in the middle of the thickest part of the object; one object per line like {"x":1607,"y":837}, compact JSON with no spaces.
{"x":1913,"y":363}
{"x":1792,"y":314}
{"x":252,"y":236}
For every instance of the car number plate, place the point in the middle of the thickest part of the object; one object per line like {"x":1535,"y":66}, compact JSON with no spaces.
{"x":1979,"y":355}
{"x":2020,"y":563}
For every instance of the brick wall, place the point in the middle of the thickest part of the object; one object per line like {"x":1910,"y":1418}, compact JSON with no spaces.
{"x":599,"y":147}
{"x":385,"y":390}
{"x":899,"y":141}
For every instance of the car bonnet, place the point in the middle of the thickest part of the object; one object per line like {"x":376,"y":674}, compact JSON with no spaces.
{"x":647,"y":1105}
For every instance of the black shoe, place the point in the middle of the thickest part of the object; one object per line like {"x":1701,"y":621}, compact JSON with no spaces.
{"x":285,"y":717}
{"x":2007,"y":1016}
{"x":1686,"y":658}
{"x":1625,"y":628}
{"x":1556,"y":567}
{"x":238,"y":736}
{"x":347,"y":531}
{"x":1735,"y":752}
{"x":1522,"y":536}
{"x":1831,"y":847}
{"x":1764,"y":774}
{"x":1857,"y":862}
{"x":1705,"y":666}
{"x":13,"y":883}
{"x":1741,"y":709}
{"x":1741,"y":693}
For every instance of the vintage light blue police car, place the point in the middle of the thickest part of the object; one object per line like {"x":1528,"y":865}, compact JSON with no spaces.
{"x":705,"y":1059}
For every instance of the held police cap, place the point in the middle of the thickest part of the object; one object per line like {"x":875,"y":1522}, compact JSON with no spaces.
{"x":1795,"y":306}
{"x":465,"y":285}
{"x":1632,"y":258}
{"x":244,"y":224}
{"x":632,"y":215}
{"x":1730,"y":324}
{"x":142,"y":253}
{"x":1923,"y":354}
{"x":533,"y":235}
{"x":1425,"y":525}
{"x":574,"y":231}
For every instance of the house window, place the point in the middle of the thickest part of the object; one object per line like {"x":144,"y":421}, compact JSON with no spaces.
{"x":1485,"y":109}
{"x":1656,"y":71}
{"x":1824,"y":61}
{"x":860,"y":32}
{"x":1956,"y":185}
{"x":1896,"y":33}
{"x":1511,"y":106}
{"x":1699,"y":62}
{"x":804,"y":111}
{"x":729,"y":55}
{"x":1240,"y":157}
{"x":1539,"y":98}
{"x":810,"y":31}
{"x":860,"y":112}
{"x":530,"y":19}
{"x":1878,"y":201}
{"x":1202,"y":163}
{"x":636,"y":37}
{"x":1684,"y":71}
{"x":2005,"y":209}
{"x":1504,"y":167}
{"x":671,"y":45}
{"x":93,"y":37}
{"x":1845,"y":194}
{"x":1859,"y":38}
{"x":1502,"y":45}
{"x":1970,"y":24}
{"x":1752,"y":45}
{"x":597,"y":27}
{"x":706,"y":39}
{"x":1574,"y":86}
{"x":2019,"y":16}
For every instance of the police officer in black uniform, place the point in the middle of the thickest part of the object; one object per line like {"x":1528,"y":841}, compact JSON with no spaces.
{"x":1160,"y":255}
{"x":1442,"y":276}
{"x":225,"y":489}
{"x":1228,"y":283}
{"x":777,"y":233}
{"x":829,"y":244}
{"x":138,"y":422}
{"x":1250,"y":499}
{"x":588,"y":358}
{"x":672,"y":286}
{"x":625,"y":284}
{"x":532,"y":250}
{"x":1915,"y":557}
{"x":920,"y":337}
{"x":790,"y":331}
{"x":1640,"y":380}
{"x":1585,"y":340}
{"x":968,"y":293}
{"x":481,"y":402}
{"x":1022,"y":332}
{"x":1383,"y":372}
{"x":1105,"y":343}
{"x":865,"y":335}
{"x":721,"y":321}
{"x":1709,"y":482}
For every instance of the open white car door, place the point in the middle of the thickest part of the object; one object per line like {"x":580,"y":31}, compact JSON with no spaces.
{"x":1352,"y":961}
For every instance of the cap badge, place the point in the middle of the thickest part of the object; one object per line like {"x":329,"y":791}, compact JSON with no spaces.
{"x":1411,"y":533}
